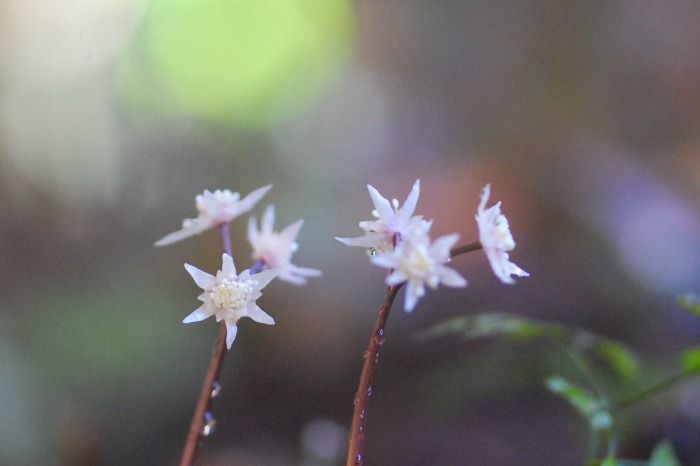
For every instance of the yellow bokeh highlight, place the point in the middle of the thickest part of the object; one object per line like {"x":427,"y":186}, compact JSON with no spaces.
{"x":250,"y":62}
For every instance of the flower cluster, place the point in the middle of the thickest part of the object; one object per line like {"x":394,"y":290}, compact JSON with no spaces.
{"x":400,"y":242}
{"x":229,"y":296}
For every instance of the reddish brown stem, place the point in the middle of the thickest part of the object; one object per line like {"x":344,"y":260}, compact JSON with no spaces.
{"x":371,"y":355}
{"x":210,"y":379}
{"x":205,"y":397}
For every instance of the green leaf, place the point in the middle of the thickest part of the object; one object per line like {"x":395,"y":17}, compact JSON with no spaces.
{"x":493,"y":324}
{"x":610,"y":461}
{"x":590,"y":407}
{"x":632,"y":463}
{"x":620,"y":359}
{"x":690,"y":360}
{"x":690,"y":302}
{"x":663,"y":455}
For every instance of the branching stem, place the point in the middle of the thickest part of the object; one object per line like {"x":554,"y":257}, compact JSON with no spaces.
{"x":371,"y":355}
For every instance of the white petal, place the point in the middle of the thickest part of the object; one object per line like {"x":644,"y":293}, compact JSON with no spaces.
{"x":387,"y":260}
{"x":268,"y":220}
{"x":251,"y":199}
{"x":231,"y":331}
{"x":305,"y":271}
{"x":261,"y":278}
{"x":253,"y":233}
{"x":196,"y":228}
{"x":371,"y":240}
{"x":199,"y":314}
{"x":290,"y":232}
{"x":228,"y":269}
{"x":450,"y":277}
{"x":203,"y":280}
{"x":414,"y":291}
{"x":258,"y":315}
{"x":383,"y":206}
{"x":441,"y":247}
{"x":484,"y":196}
{"x":410,"y":204}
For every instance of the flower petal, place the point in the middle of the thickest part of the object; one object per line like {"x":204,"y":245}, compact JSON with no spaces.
{"x":199,"y":314}
{"x":451,"y":277}
{"x":195,"y":228}
{"x":203,"y":280}
{"x":231,"y":331}
{"x":228,"y":269}
{"x":251,"y":199}
{"x":258,"y":315}
{"x":370,"y":240}
{"x":382,"y":205}
{"x":268,"y":220}
{"x":405,"y":212}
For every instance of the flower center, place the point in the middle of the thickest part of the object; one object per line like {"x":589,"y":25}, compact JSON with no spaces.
{"x":231,"y":296}
{"x":418,"y":263}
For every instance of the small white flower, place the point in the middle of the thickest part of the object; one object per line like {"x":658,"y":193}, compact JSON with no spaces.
{"x":276,"y":249}
{"x":419,"y":263}
{"x":229,"y":297}
{"x":495,"y":237}
{"x":214,"y":209}
{"x":391,"y":224}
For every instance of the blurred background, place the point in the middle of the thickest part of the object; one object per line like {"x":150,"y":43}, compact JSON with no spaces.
{"x":114,"y":114}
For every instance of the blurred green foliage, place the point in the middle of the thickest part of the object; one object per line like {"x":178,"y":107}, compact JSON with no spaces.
{"x":249,"y":62}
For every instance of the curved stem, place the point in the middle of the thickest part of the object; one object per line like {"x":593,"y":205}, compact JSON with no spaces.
{"x":371,"y":355}
{"x":202,"y":410}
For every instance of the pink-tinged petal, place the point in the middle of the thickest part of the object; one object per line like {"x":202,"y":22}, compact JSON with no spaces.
{"x":258,"y":315}
{"x":395,"y":278}
{"x":253,"y":233}
{"x":386,"y":260}
{"x":409,"y":206}
{"x":451,"y":277}
{"x":290,"y":232}
{"x":231,"y":331}
{"x":305,"y":271}
{"x":251,"y":199}
{"x":199,"y":314}
{"x":443,"y":244}
{"x":382,"y":205}
{"x":228,"y":269}
{"x":203,"y":280}
{"x":196,"y":227}
{"x":289,"y":277}
{"x":484,"y":196}
{"x":370,"y":240}
{"x":268,"y":220}
{"x":414,"y":291}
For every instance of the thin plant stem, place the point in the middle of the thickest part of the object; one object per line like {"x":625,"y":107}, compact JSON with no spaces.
{"x":202,"y":419}
{"x":653,"y":390}
{"x":371,"y":356}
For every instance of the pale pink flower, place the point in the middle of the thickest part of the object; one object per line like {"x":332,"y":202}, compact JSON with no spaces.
{"x":276,"y":249}
{"x":418,"y":263}
{"x":391,"y":221}
{"x":495,"y":238}
{"x":214,"y":209}
{"x":229,"y":297}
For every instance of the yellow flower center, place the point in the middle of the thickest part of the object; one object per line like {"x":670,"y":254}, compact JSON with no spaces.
{"x":231,"y":297}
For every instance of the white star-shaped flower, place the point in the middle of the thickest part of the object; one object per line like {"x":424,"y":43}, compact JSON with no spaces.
{"x":391,"y":224}
{"x":418,"y":263}
{"x":229,"y":297}
{"x":495,"y":238}
{"x":214,"y":209}
{"x":276,"y":249}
